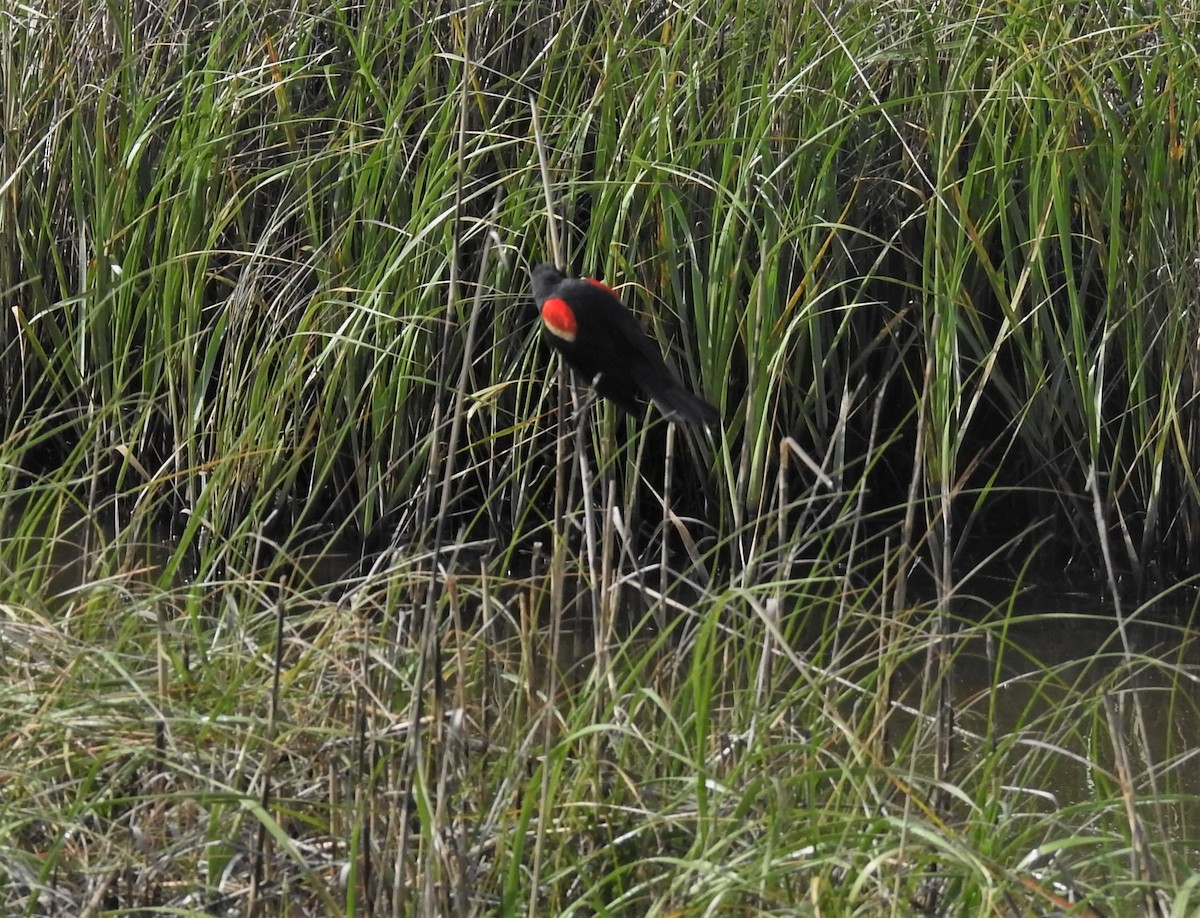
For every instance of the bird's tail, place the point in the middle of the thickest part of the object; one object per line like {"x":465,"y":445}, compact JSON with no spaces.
{"x":680,"y":406}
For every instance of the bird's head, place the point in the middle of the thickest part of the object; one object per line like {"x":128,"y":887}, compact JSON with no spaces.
{"x":545,"y":278}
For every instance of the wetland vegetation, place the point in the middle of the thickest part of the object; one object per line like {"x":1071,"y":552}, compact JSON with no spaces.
{"x":320,"y":594}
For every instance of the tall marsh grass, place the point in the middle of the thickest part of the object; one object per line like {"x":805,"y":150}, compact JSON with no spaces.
{"x":321,"y":594}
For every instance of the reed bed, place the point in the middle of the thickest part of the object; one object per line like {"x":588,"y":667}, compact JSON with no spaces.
{"x":323,"y":592}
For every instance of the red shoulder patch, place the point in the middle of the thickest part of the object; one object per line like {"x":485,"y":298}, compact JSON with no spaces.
{"x":603,"y":286}
{"x":559,"y":318}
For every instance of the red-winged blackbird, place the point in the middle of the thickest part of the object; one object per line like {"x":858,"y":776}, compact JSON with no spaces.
{"x":600,"y":338}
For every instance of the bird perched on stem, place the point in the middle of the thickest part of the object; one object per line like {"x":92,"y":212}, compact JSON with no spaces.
{"x":603,"y":341}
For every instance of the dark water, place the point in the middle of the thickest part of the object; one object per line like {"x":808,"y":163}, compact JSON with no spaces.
{"x":1028,"y":683}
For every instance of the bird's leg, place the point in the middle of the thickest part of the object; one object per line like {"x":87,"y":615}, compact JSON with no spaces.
{"x":586,"y":402}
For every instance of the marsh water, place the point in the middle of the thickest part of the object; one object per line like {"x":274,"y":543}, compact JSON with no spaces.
{"x":1056,"y":649}
{"x":1028,"y":667}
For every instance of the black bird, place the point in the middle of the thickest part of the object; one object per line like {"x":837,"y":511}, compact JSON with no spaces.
{"x":603,"y":341}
